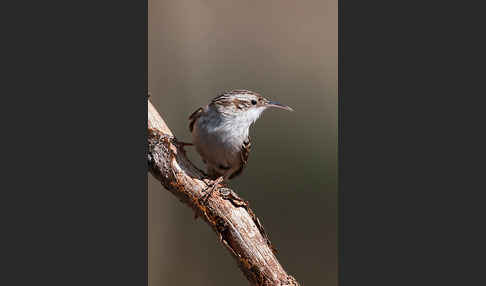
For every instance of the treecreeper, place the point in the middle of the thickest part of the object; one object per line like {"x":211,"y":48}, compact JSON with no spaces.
{"x":220,"y":132}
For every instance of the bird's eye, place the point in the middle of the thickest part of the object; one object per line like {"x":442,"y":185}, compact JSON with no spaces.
{"x":254,"y":102}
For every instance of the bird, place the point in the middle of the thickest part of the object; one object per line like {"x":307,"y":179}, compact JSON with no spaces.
{"x":220,"y":131}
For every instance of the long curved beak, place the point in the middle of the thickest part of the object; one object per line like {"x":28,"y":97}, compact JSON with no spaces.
{"x":278,"y":105}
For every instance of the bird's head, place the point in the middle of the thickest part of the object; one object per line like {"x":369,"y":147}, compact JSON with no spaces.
{"x":244,"y":104}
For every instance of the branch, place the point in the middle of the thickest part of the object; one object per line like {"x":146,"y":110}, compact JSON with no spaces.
{"x":237,"y":227}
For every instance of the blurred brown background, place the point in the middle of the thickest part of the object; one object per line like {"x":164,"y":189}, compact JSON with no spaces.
{"x":287,"y":51}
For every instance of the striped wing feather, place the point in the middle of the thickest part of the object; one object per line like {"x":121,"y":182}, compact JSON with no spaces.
{"x":245,"y":153}
{"x":193,"y":117}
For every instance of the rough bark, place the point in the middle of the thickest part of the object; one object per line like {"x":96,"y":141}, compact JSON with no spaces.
{"x":237,"y":227}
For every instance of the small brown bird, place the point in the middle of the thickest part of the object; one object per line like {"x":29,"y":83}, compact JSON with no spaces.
{"x":220,"y":131}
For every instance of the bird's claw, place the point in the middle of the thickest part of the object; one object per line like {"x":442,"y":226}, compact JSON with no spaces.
{"x":212,"y":186}
{"x":185,"y":143}
{"x":180,"y":145}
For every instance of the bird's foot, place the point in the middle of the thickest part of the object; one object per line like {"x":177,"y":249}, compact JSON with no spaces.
{"x":229,"y":194}
{"x":212,"y":186}
{"x":181,"y":145}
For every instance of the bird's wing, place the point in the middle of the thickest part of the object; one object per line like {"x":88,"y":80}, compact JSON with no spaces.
{"x":194,"y":116}
{"x":245,"y":153}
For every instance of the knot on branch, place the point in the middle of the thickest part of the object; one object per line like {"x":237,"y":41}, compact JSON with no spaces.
{"x":158,"y":150}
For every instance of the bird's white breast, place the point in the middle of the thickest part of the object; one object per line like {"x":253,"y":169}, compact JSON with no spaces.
{"x":219,"y":137}
{"x":220,"y":130}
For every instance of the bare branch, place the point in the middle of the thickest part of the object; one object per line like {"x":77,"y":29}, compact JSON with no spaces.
{"x":237,"y":227}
